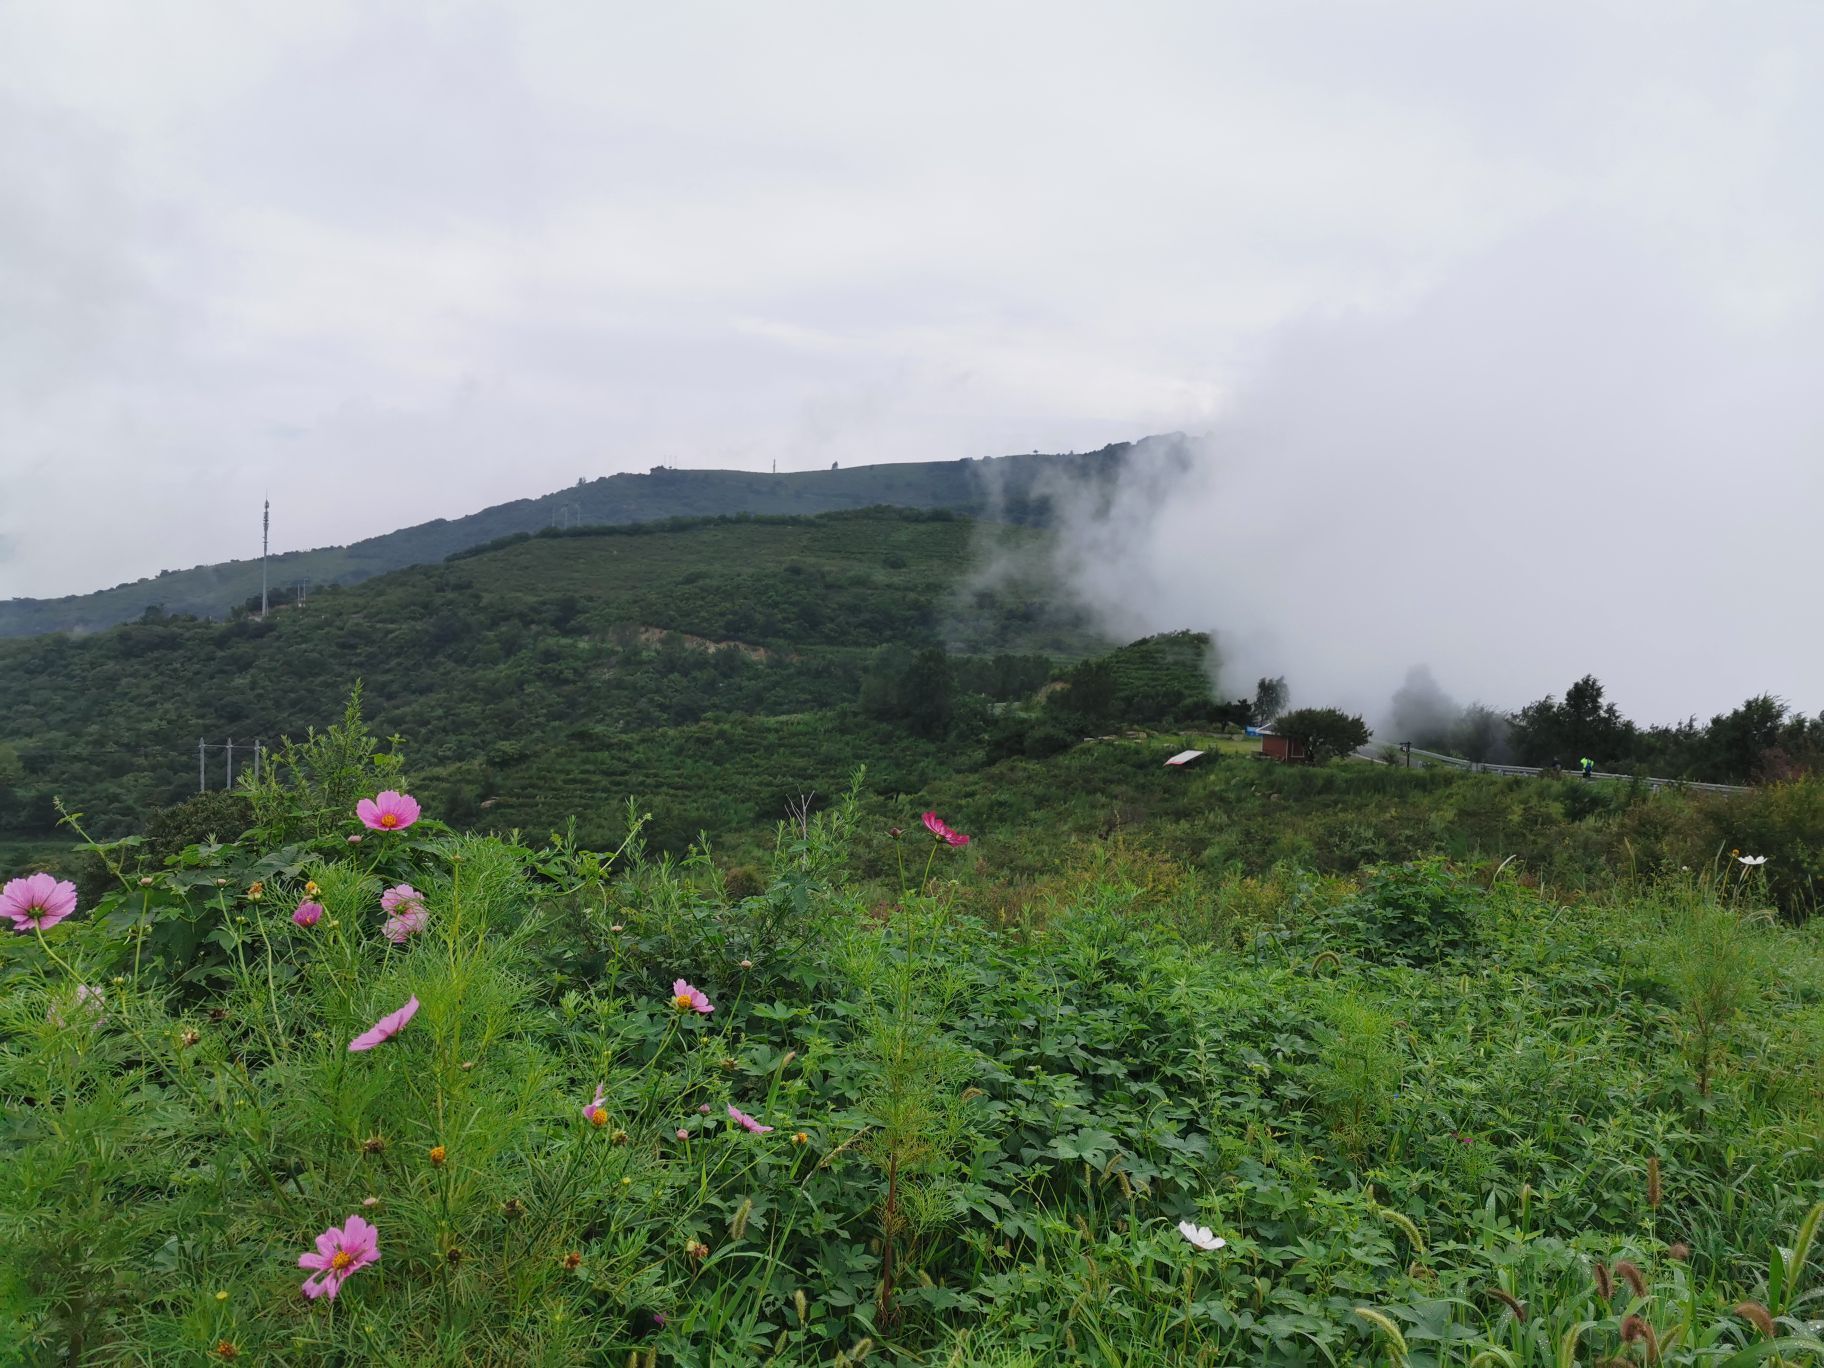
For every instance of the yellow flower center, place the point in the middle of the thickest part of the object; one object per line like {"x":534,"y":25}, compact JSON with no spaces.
{"x":683,"y":1002}
{"x":342,"y":1260}
{"x":389,"y":819}
{"x":598,"y":1117}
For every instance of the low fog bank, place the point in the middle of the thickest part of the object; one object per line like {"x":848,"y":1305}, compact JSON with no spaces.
{"x":1555,"y":464}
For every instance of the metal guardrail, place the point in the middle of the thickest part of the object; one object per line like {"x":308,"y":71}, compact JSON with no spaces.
{"x":1534,"y":771}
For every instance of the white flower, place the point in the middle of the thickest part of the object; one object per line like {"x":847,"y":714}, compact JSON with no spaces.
{"x":1751,"y":860}
{"x":1200,"y":1236}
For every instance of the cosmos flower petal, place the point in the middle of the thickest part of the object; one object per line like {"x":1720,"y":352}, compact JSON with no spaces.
{"x":384,"y":1029}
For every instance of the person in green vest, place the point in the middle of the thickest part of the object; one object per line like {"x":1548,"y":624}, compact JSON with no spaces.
{"x":1588,"y":765}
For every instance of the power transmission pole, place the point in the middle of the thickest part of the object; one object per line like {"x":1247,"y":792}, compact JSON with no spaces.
{"x":230,"y":767}
{"x":202,"y":775}
{"x":256,"y":762}
{"x":265,"y":538}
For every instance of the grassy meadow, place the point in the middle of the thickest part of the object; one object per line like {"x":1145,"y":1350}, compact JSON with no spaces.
{"x":951,"y":1104}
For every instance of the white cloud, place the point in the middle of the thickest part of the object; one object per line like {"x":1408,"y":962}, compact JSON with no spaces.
{"x":399,"y":260}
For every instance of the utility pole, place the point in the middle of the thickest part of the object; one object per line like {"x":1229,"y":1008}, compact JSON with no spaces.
{"x":202,"y":775}
{"x":256,"y":761}
{"x":230,"y":766}
{"x":265,"y":539}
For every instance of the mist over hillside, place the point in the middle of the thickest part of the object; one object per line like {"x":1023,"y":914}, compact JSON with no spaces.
{"x":1013,"y":488}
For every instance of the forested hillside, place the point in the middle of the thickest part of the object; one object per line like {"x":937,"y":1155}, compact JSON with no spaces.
{"x":1014,"y":488}
{"x":553,"y":675}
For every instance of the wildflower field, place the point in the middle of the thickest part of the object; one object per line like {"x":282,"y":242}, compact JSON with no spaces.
{"x":355,"y":1087}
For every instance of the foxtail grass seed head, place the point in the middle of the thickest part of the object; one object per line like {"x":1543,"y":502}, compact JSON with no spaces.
{"x":1636,"y":1330}
{"x":1653,"y":1192}
{"x":1605,"y":1285}
{"x":1511,"y":1302}
{"x":1629,"y":1272}
{"x":801,"y":1305}
{"x":737,"y":1228}
{"x":1679,"y":1252}
{"x":1758,"y":1316}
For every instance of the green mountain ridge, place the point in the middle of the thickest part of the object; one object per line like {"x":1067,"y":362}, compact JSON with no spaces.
{"x":1013,"y":488}
{"x":556,"y":674}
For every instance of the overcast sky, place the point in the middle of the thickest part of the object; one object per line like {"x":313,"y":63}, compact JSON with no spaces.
{"x":1408,"y":264}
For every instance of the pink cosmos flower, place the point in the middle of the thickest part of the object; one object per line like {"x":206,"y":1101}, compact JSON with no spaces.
{"x":340,"y":1251}
{"x":400,"y":893}
{"x":688,"y":999}
{"x":384,"y":1029}
{"x":308,"y":913}
{"x":388,"y":811}
{"x":595,"y":1113}
{"x":39,"y":901}
{"x":747,"y":1122}
{"x":935,"y":825}
{"x":398,"y":928}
